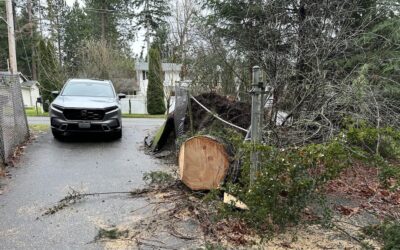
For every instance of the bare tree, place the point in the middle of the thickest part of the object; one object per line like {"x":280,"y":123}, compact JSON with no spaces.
{"x":181,"y":25}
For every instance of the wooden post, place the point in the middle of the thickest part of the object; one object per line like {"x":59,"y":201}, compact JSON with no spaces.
{"x":11,"y":38}
{"x":255,"y":123}
{"x":32,"y":27}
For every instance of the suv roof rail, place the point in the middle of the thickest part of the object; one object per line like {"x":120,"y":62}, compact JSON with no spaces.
{"x":93,"y":79}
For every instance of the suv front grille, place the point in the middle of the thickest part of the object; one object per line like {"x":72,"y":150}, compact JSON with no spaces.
{"x":84,"y":114}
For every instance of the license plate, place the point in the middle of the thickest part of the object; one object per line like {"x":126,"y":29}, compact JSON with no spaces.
{"x":84,"y":125}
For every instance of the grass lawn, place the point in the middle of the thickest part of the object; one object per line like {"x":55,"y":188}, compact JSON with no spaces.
{"x":142,"y":116}
{"x":32,"y":112}
{"x":38,"y":128}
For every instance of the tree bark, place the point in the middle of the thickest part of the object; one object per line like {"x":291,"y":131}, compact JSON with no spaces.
{"x":33,"y":49}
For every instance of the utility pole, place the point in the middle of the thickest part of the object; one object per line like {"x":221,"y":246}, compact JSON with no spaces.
{"x":256,"y":120}
{"x":146,"y":7}
{"x":32,"y":27}
{"x":103,"y":21}
{"x":11,"y":38}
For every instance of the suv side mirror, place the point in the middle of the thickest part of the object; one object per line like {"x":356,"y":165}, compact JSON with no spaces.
{"x":55,"y":93}
{"x":120,"y":96}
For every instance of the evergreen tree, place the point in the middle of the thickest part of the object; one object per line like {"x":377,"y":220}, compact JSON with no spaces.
{"x":56,"y":12}
{"x":3,"y":38}
{"x":153,"y":13}
{"x":104,"y":17}
{"x":155,"y":89}
{"x":77,"y":30}
{"x":50,"y":74}
{"x":23,"y":39}
{"x":152,"y":16}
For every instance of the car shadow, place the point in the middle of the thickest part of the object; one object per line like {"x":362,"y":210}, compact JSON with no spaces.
{"x":87,"y":138}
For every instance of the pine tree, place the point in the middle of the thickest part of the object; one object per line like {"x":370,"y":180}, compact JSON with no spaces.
{"x":77,"y":30}
{"x":152,"y":16}
{"x":155,"y":90}
{"x":50,"y":74}
{"x":153,"y":13}
{"x":56,"y":11}
{"x":104,"y":17}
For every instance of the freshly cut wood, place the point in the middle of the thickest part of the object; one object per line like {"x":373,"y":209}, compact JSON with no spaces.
{"x":230,"y":199}
{"x":203,"y":163}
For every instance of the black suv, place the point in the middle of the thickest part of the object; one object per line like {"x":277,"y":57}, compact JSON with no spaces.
{"x":86,"y":106}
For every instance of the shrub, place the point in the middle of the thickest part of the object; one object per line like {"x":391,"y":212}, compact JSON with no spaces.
{"x":387,"y":232}
{"x":286,"y":181}
{"x":364,"y":140}
{"x":367,"y":139}
{"x":289,"y":178}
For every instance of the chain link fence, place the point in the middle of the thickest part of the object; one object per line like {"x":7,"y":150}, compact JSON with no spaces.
{"x":13,"y":124}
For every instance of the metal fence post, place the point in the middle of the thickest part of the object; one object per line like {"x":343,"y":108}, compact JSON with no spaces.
{"x":256,"y":113}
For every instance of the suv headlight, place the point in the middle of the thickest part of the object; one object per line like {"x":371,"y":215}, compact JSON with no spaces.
{"x":56,"y":108}
{"x":111,"y":109}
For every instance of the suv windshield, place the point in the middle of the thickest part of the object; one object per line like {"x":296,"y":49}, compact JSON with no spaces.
{"x":95,"y":89}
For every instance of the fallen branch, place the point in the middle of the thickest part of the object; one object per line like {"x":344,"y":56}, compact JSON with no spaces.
{"x":176,"y":234}
{"x":75,"y":196}
{"x":348,"y":234}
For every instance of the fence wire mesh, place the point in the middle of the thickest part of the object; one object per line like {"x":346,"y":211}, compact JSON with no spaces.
{"x":181,"y":103}
{"x":13,"y":124}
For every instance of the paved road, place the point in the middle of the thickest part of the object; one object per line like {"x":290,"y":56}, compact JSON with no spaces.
{"x":48,"y":170}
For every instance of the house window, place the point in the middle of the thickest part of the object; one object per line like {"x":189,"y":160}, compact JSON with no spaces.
{"x":144,"y":75}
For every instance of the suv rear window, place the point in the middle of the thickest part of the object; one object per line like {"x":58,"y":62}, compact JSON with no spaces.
{"x":97,"y":89}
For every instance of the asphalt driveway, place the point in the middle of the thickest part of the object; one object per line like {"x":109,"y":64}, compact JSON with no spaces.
{"x":49,"y":169}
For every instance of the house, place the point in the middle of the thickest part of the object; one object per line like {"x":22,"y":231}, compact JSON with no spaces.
{"x":171,"y":73}
{"x":29,"y":89}
{"x":30,"y":93}
{"x":136,"y":100}
{"x":127,"y":86}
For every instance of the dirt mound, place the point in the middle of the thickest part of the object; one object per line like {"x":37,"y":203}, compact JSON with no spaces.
{"x":238,"y":113}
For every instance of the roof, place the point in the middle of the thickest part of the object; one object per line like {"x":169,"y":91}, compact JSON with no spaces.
{"x":8,"y":73}
{"x":165,"y":66}
{"x":29,"y":84}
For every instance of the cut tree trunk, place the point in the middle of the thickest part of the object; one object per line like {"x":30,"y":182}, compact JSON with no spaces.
{"x":203,"y":163}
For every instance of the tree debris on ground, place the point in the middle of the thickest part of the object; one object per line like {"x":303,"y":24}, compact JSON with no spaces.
{"x":360,"y":184}
{"x":235,"y":112}
{"x":111,"y":233}
{"x":74,"y":197}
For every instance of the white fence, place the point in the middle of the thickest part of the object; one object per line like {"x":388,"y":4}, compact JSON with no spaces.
{"x":138,"y":104}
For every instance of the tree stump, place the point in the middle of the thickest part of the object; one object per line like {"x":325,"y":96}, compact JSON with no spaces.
{"x":203,"y":163}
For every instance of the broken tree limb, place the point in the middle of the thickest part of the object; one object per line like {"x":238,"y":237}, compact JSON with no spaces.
{"x":203,"y":163}
{"x":74,"y":196}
